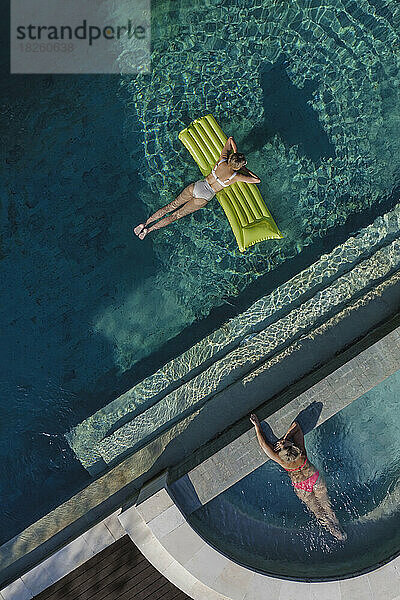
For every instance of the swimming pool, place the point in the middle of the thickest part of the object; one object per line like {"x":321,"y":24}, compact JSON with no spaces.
{"x":87,"y":157}
{"x":260,"y":523}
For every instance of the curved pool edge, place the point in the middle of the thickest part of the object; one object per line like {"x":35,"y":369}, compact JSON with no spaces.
{"x":161,"y":532}
{"x":154,"y":502}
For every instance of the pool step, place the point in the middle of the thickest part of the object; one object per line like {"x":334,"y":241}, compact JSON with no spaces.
{"x":250,"y":354}
{"x":240,"y":346}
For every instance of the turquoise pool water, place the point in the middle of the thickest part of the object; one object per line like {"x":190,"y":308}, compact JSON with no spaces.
{"x":259,"y":522}
{"x":310,"y":93}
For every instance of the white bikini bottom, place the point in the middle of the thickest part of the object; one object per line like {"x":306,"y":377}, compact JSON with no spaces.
{"x":202,"y":189}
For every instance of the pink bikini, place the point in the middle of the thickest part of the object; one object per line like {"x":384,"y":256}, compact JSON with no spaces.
{"x":308,"y":483}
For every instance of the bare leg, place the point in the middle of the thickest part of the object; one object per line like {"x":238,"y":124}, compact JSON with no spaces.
{"x":184,"y":196}
{"x":324,"y":515}
{"x":321,"y":494}
{"x":190,"y":206}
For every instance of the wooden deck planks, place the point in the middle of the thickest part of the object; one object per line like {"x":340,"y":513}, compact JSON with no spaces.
{"x":120,"y":572}
{"x":89,"y":568}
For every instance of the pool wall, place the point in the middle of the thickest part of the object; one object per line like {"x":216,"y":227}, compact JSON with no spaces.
{"x":159,"y":529}
{"x":361,"y":269}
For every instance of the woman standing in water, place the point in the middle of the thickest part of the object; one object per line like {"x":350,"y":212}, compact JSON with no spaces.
{"x":290,"y":453}
{"x":231,"y":167}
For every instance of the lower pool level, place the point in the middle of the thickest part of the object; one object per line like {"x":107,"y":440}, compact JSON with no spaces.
{"x":260,"y":523}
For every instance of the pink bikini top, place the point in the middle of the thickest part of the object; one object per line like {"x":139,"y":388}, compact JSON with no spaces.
{"x":298,"y":468}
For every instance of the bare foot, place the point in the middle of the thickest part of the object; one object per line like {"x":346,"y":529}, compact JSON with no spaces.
{"x":143,"y":233}
{"x":343,"y":536}
{"x":138,"y":229}
{"x":338,"y":533}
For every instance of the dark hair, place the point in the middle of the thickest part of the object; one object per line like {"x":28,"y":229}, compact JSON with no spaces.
{"x":237,"y":160}
{"x":290,"y":453}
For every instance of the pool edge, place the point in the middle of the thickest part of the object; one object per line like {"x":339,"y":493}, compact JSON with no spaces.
{"x":128,"y":496}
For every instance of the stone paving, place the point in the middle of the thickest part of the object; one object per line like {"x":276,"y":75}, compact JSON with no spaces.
{"x":167,"y":540}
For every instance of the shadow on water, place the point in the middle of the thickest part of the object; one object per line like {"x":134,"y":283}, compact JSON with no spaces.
{"x":288,"y":114}
{"x":308,"y":417}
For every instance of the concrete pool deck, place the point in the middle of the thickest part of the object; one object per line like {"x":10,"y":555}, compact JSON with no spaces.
{"x":160,"y":530}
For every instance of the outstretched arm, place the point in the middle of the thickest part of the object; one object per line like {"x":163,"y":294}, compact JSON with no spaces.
{"x":268,"y":448}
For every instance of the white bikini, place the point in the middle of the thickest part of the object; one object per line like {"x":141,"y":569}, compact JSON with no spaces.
{"x":217,"y":178}
{"x":202,"y":189}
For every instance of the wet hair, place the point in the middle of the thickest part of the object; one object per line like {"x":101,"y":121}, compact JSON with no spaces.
{"x":237,"y":160}
{"x":290,"y":453}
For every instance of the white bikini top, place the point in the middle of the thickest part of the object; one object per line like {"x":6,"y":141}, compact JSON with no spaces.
{"x":223,"y":183}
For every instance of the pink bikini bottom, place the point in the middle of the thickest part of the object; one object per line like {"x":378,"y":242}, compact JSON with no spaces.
{"x":307,"y":484}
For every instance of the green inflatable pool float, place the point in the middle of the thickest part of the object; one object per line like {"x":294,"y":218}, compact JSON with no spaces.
{"x":242,"y":203}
